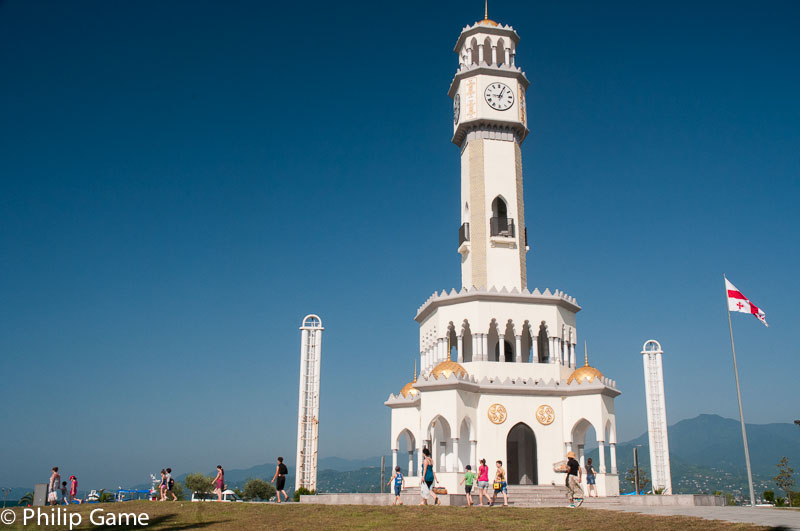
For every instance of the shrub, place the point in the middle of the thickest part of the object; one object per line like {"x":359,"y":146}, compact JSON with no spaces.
{"x":302,"y":491}
{"x":769,"y":496}
{"x":258,"y":489}
{"x":198,"y":482}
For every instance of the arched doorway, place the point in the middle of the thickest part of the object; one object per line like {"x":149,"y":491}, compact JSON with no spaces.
{"x":521,"y":455}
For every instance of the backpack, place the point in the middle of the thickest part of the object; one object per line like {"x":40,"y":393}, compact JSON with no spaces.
{"x":171,"y":483}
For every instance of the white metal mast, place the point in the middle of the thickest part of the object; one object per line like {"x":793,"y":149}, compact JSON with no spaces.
{"x":656,"y":416}
{"x":308,"y":407}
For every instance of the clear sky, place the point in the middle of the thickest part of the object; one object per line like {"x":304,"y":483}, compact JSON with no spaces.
{"x":183,"y":181}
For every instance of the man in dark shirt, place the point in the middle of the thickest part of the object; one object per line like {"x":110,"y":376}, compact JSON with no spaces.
{"x":574,"y":481}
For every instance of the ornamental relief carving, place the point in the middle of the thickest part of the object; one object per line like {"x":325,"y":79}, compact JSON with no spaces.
{"x":497,"y":413}
{"x":545,"y":415}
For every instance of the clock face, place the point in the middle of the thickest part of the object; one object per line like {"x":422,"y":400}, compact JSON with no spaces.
{"x":499,"y":96}
{"x":456,"y":108}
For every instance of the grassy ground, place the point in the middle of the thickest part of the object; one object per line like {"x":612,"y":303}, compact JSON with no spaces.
{"x":177,"y":516}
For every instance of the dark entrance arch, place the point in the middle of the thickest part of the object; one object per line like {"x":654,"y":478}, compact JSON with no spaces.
{"x":521,"y":455}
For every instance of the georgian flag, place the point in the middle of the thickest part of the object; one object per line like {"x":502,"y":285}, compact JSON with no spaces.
{"x":739,"y":303}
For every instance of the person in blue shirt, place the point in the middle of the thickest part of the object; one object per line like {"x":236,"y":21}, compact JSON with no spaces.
{"x":399,"y":485}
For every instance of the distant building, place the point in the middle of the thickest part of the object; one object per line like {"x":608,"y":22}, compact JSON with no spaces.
{"x":308,"y":414}
{"x":499,"y":378}
{"x":656,"y":416}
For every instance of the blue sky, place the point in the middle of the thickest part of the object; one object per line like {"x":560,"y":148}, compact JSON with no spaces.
{"x":184,"y":181}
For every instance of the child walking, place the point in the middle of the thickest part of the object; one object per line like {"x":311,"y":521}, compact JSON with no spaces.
{"x":399,"y":485}
{"x":469,"y":479}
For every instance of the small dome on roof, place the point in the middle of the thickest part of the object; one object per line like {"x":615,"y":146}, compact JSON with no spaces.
{"x":587,"y":373}
{"x":448,"y":367}
{"x":409,"y":389}
{"x":487,"y":22}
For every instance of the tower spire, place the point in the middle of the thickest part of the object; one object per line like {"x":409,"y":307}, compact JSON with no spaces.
{"x":415,"y":371}
{"x":585,"y":354}
{"x":486,"y":10}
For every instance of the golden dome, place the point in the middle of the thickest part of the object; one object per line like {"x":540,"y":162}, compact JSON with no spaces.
{"x":409,"y":389}
{"x":587,"y":373}
{"x":448,"y":367}
{"x":487,"y":22}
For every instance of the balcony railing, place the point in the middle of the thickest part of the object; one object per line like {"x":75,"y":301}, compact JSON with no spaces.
{"x":463,"y":233}
{"x":503,"y":227}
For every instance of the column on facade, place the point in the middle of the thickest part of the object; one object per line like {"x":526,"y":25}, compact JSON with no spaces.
{"x":572,"y":354}
{"x":501,"y":350}
{"x":601,"y":451}
{"x":419,"y":458}
{"x":473,"y":453}
{"x":518,"y":349}
{"x":441,"y":458}
{"x":568,"y":446}
{"x":454,"y":465}
{"x":442,"y":350}
{"x":480,"y":53}
{"x":460,"y":348}
{"x":580,"y":455}
{"x":553,"y":350}
{"x":563,"y":349}
{"x":508,"y":56}
{"x":485,"y":347}
{"x":394,"y":458}
{"x":535,"y":349}
{"x":494,"y":54}
{"x":612,"y":451}
{"x":410,"y":471}
{"x":475,"y":355}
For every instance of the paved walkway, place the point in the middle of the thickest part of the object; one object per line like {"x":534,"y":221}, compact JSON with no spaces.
{"x":770,"y":516}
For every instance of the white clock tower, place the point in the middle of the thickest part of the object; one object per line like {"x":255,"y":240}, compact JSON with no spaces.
{"x":499,"y":375}
{"x":489,"y":124}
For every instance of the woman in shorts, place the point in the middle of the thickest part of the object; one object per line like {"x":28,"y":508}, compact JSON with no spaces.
{"x":483,"y":482}
{"x":590,"y":478}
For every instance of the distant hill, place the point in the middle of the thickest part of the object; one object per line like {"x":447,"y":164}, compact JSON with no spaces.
{"x":706,"y":454}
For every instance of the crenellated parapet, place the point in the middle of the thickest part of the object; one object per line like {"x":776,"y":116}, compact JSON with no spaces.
{"x":493,"y":294}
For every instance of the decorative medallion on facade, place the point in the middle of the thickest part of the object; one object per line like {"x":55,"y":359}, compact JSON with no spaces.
{"x":545,"y":415}
{"x":497,"y":413}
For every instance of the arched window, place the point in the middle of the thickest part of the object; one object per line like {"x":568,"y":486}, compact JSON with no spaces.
{"x":474,"y":51}
{"x":500,"y":225}
{"x":487,"y":51}
{"x":543,"y":344}
{"x":501,"y":52}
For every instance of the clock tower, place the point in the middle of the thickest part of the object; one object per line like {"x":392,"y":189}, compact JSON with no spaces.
{"x":489,"y":124}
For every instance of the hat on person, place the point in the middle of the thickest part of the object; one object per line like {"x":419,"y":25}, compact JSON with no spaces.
{"x":571,"y":454}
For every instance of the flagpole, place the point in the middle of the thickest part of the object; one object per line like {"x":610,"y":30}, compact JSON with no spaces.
{"x":739,"y":396}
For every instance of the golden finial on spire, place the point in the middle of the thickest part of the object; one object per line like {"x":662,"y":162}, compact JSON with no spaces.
{"x":585,"y":354}
{"x":486,"y":10}
{"x":415,"y":370}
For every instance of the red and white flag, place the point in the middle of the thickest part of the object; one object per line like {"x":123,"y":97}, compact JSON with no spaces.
{"x":739,"y":303}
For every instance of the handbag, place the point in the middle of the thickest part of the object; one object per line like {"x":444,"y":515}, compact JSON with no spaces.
{"x":496,"y":485}
{"x":439,"y":491}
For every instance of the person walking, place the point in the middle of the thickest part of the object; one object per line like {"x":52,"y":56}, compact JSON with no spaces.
{"x":53,"y":486}
{"x":170,"y":484}
{"x":73,"y":488}
{"x":280,"y":476}
{"x":428,"y":479}
{"x":574,"y":491}
{"x":399,"y":485}
{"x":219,"y":482}
{"x":162,"y":485}
{"x":590,"y":479}
{"x":483,"y":482}
{"x":500,"y":485}
{"x":64,"y":493}
{"x":469,"y":479}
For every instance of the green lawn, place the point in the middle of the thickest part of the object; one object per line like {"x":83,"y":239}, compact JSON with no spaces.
{"x":186,"y":515}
